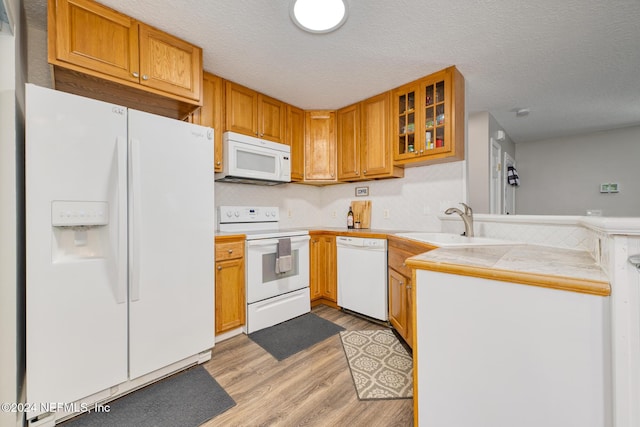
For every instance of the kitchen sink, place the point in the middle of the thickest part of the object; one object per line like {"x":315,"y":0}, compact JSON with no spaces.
{"x":449,"y":240}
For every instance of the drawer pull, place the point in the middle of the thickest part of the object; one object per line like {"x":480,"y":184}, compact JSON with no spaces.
{"x":230,"y":251}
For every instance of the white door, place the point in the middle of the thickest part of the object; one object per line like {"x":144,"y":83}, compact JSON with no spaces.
{"x":509,"y":190}
{"x":171,"y":241}
{"x":495,"y":189}
{"x":76,"y":273}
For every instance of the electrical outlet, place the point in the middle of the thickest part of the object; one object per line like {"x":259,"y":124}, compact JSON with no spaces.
{"x":290,"y":213}
{"x":385,"y":213}
{"x":334,"y":214}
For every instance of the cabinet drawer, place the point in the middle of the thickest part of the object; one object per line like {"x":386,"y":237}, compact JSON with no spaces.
{"x":230,"y":250}
{"x":396,"y":261}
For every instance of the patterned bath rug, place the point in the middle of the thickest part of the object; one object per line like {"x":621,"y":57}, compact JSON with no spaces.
{"x":380,"y":366}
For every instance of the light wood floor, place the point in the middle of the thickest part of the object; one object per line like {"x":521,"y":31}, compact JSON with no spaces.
{"x":311,"y":388}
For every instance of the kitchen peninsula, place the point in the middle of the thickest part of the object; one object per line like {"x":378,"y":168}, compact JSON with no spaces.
{"x":527,"y":334}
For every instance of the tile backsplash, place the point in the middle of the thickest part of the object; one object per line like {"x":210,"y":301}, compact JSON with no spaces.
{"x":413,"y":203}
{"x":410,"y":203}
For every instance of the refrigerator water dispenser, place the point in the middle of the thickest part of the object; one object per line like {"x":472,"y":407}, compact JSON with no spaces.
{"x":79,"y":230}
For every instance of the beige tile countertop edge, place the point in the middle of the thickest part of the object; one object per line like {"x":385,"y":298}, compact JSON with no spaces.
{"x":508,"y":263}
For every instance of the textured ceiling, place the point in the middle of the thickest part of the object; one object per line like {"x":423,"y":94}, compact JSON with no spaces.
{"x":574,"y":63}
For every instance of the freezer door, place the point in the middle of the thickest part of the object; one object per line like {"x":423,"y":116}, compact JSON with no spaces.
{"x":76,"y":243}
{"x":171,"y":240}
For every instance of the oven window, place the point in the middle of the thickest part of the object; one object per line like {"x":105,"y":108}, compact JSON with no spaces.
{"x":256,"y":162}
{"x":269,"y":267}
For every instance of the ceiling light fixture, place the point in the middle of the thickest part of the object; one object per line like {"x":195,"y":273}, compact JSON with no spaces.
{"x":318,"y":16}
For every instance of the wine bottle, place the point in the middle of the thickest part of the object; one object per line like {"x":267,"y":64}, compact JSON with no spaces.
{"x":350,"y":218}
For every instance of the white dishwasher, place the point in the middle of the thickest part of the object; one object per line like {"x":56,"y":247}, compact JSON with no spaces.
{"x":362,"y":276}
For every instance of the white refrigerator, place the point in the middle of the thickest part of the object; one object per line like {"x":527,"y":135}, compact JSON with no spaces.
{"x":119,"y":247}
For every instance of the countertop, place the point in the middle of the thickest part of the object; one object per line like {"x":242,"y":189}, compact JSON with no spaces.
{"x":550,"y":267}
{"x":544,"y":266}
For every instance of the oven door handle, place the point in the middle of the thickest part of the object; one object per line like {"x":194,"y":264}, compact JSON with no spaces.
{"x":268,"y":242}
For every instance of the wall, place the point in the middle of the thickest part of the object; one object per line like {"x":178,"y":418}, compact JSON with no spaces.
{"x":8,"y":362}
{"x":413,"y":202}
{"x":11,"y":211}
{"x":562,"y":176}
{"x":482,"y":127}
{"x":479,"y":161}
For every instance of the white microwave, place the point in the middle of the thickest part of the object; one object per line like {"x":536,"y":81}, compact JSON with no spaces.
{"x":252,"y":160}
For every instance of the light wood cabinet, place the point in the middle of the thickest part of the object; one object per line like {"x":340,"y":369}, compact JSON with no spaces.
{"x":428,"y":119}
{"x":254,"y":114}
{"x":364,"y":148}
{"x":400,"y":283}
{"x":295,"y":139}
{"x":376,"y":152}
{"x":94,"y":44}
{"x":320,"y":147}
{"x":348,"y":124}
{"x":323,"y":280}
{"x":230,"y":303}
{"x":169,"y":64}
{"x":211,"y":113}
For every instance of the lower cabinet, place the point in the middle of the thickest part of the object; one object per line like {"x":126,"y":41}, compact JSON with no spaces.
{"x":400,"y":304}
{"x":400,"y":283}
{"x":323,"y":279}
{"x":230,"y":293}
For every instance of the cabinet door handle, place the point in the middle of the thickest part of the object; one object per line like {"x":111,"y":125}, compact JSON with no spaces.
{"x":218,"y":163}
{"x":135,"y":74}
{"x":230,"y":251}
{"x":401,"y":283}
{"x":219,"y":267}
{"x":364,"y":171}
{"x":145,"y":77}
{"x":409,"y":287}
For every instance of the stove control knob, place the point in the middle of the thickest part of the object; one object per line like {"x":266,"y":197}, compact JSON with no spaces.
{"x":273,"y":213}
{"x":237,"y":213}
{"x":229,"y":214}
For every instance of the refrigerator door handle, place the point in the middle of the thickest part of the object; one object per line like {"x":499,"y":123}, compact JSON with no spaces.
{"x":136,"y":209}
{"x":121,"y":155}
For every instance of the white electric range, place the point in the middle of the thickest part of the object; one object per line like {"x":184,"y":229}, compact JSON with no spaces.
{"x":272,"y":297}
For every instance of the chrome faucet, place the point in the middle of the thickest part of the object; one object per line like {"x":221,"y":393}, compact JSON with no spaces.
{"x":467,"y":218}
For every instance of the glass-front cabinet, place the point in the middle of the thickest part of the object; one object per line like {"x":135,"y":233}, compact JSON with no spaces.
{"x":429,"y":119}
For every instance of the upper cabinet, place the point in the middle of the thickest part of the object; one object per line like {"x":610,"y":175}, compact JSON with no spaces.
{"x":211,"y":113}
{"x":428,"y":119}
{"x":169,"y":64}
{"x":254,"y":114}
{"x":99,"y":52}
{"x":364,"y":141}
{"x":376,"y":152}
{"x":348,"y":128}
{"x":320,"y":147}
{"x":295,"y":139}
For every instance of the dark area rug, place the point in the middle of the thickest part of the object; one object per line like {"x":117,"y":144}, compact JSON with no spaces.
{"x":290,"y":337}
{"x":186,"y":399}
